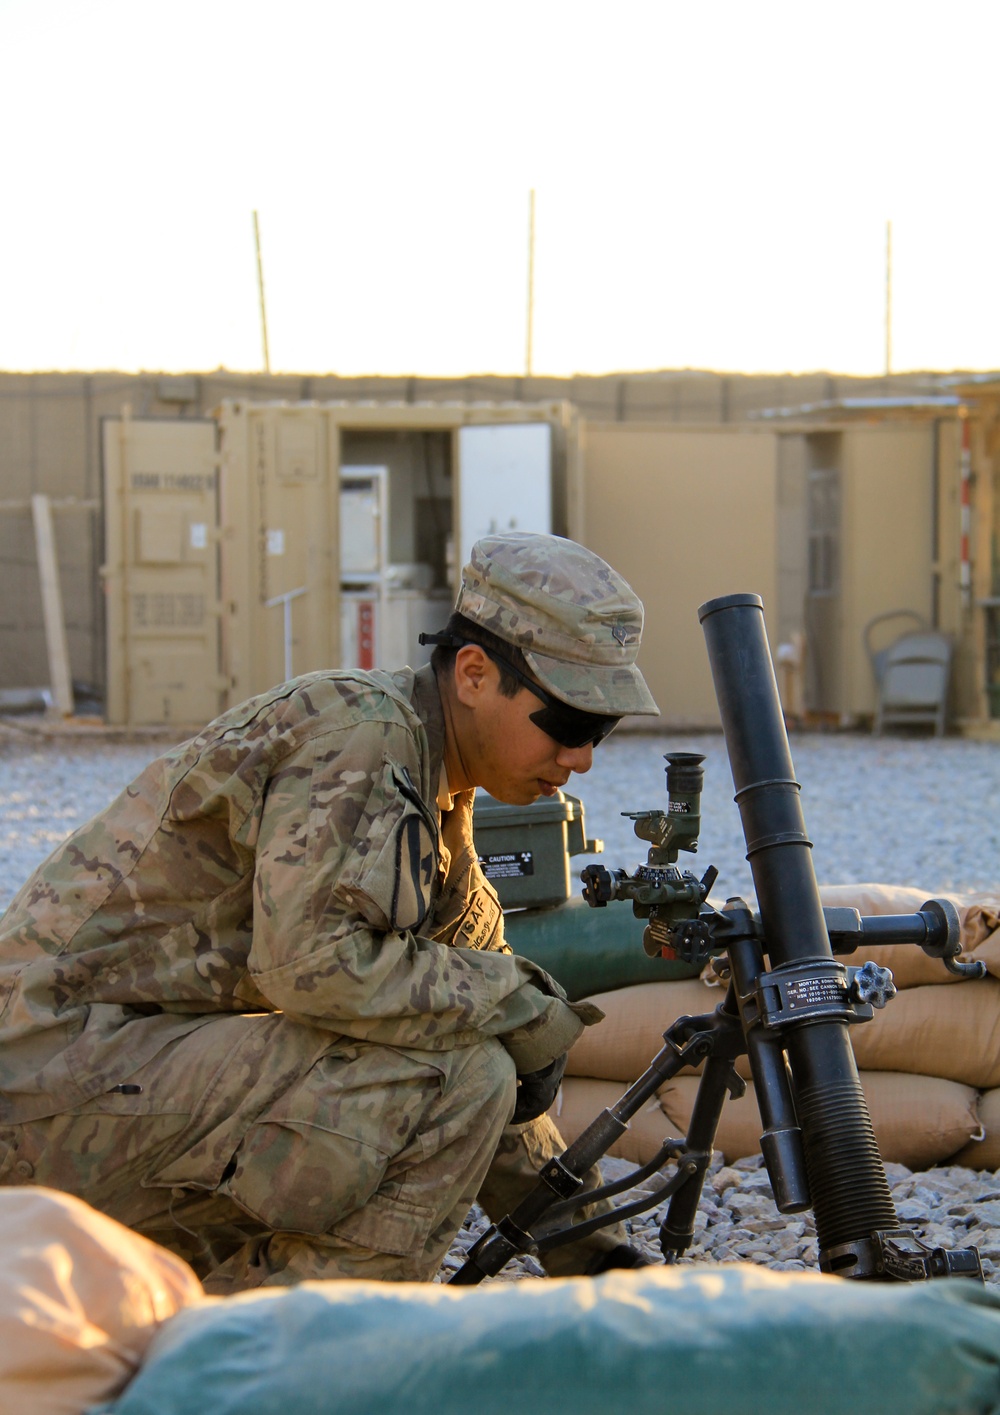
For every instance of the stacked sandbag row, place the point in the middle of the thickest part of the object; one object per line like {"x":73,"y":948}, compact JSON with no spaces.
{"x":929,"y":1062}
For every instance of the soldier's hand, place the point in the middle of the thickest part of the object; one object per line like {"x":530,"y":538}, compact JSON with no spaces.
{"x":537,"y":1091}
{"x":539,"y":1042}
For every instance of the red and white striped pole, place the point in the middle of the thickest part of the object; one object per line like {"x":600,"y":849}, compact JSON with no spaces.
{"x":965,"y":521}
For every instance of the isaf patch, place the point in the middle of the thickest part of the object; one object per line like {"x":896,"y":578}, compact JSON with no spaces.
{"x":480,"y":921}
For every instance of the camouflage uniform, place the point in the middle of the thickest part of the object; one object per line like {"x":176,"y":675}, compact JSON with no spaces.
{"x":289,"y":857}
{"x":261,"y":1010}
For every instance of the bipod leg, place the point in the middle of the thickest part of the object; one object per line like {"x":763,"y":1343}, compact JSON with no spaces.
{"x":719,"y":1081}
{"x":560,"y":1184}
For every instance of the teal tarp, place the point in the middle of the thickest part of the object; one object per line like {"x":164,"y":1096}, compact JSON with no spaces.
{"x":731,"y":1340}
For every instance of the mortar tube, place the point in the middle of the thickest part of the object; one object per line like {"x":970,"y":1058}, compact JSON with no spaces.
{"x":847,"y":1182}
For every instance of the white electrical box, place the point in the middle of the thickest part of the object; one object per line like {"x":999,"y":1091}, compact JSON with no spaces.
{"x":505,"y":480}
{"x":363,"y":525}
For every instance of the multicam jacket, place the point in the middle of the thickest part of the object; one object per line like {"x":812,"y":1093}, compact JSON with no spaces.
{"x":290,"y":857}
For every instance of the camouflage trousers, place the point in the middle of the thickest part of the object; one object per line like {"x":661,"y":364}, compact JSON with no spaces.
{"x":266,"y":1152}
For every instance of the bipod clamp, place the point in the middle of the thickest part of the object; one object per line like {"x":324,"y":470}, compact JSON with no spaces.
{"x":897,"y":1255}
{"x":492,"y":1250}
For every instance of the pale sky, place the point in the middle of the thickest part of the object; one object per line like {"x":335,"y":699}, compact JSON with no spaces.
{"x":713,"y":183}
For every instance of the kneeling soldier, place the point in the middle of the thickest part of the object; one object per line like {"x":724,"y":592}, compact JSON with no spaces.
{"x":261,"y":1010}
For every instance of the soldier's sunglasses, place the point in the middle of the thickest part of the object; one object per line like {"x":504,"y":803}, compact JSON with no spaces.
{"x":569,"y":726}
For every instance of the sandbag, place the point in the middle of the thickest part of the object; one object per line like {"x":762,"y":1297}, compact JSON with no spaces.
{"x":621,"y":1046}
{"x":910,"y":966}
{"x":983,"y":1151}
{"x":939,"y":1031}
{"x":734,"y":1338}
{"x":871,"y":898}
{"x":80,"y":1300}
{"x":979,"y":922}
{"x":918,"y":1120}
{"x":581,"y":1100}
{"x":987,"y":949}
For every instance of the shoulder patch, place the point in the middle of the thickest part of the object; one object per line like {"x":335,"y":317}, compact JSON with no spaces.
{"x":395,"y":858}
{"x":415,"y":866}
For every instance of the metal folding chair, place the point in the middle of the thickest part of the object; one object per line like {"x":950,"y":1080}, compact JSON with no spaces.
{"x":912,"y":675}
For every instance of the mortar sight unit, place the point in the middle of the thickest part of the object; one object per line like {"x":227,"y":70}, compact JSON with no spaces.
{"x":788,"y":1004}
{"x":670,"y":898}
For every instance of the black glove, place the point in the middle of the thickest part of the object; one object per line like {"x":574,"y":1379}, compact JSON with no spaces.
{"x":537,"y":1090}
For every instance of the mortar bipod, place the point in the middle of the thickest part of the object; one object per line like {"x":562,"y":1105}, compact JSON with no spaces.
{"x":760,"y":1010}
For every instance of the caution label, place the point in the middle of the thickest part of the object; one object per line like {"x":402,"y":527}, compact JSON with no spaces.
{"x":515,"y":864}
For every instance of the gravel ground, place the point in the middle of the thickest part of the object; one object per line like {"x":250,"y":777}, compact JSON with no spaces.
{"x":911,"y":811}
{"x":901,"y":811}
{"x":948,"y":1207}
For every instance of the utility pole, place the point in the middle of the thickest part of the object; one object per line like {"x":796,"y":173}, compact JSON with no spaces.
{"x":260,"y":289}
{"x":531,"y":283}
{"x":888,"y":298}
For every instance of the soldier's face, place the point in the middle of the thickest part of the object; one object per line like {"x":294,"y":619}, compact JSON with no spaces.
{"x":510,"y":756}
{"x":492,"y":742}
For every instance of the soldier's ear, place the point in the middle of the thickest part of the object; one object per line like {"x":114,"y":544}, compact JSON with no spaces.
{"x":473,"y":670}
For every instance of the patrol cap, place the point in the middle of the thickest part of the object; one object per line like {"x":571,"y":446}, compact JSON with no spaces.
{"x":575,"y":619}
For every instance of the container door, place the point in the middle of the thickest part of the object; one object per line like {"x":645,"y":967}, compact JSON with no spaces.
{"x":825,"y":686}
{"x":504,"y":480}
{"x":280,"y":544}
{"x":162,"y":571}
